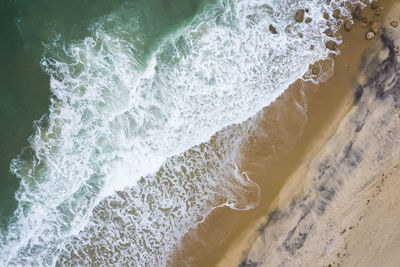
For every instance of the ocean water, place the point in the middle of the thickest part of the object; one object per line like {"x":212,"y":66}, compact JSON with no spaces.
{"x":136,"y":146}
{"x":22,"y":100}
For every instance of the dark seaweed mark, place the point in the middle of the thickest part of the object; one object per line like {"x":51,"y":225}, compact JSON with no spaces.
{"x":249,"y":263}
{"x":327,"y":195}
{"x":275,"y":216}
{"x":355,"y":158}
{"x":360,"y":126}
{"x":351,"y":156}
{"x":292,"y":244}
{"x":387,"y":71}
{"x":358,"y":92}
{"x":347,"y":149}
{"x":322,"y":168}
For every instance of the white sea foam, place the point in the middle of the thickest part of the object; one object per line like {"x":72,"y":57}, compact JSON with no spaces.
{"x":119,"y":123}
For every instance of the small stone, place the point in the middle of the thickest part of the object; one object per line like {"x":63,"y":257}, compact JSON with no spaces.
{"x":374,"y":4}
{"x":272,"y":29}
{"x":307,"y":10}
{"x":394,"y":24}
{"x":308,"y":20}
{"x":299,"y":17}
{"x":300,"y":35}
{"x":348,"y":25}
{"x":328,"y":32}
{"x":331,"y":45}
{"x":315,"y":70}
{"x":336,"y":13}
{"x":374,"y":26}
{"x":312,"y":48}
{"x":370,"y":35}
{"x":326,"y":16}
{"x":357,"y":12}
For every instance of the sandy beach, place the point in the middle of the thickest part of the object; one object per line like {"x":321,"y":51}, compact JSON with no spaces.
{"x":284,"y":158}
{"x":346,"y":205}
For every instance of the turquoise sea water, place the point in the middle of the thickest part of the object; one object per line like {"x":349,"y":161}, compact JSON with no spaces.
{"x":25,"y":26}
{"x":24,"y":97}
{"x":108,"y":108}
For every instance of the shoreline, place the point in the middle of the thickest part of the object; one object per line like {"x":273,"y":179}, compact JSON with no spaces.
{"x":277,"y":172}
{"x":297,"y":189}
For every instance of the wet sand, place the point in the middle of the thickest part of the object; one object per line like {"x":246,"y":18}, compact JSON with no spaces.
{"x":292,"y":131}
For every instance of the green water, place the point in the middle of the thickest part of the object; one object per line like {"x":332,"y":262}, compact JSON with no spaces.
{"x":25,"y":26}
{"x":24,"y":98}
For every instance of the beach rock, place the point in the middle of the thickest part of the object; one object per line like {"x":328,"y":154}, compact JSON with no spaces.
{"x":299,"y":17}
{"x":374,"y":4}
{"x":326,"y":16}
{"x":331,"y":45}
{"x":357,"y":12}
{"x":370,"y":35}
{"x":308,"y":20}
{"x":328,"y":32}
{"x":336,"y":13}
{"x":272,"y":29}
{"x":374,"y":27}
{"x":394,"y":24}
{"x":315,"y":70}
{"x":348,"y":25}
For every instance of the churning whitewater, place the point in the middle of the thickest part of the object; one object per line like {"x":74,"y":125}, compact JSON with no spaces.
{"x":122,"y":164}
